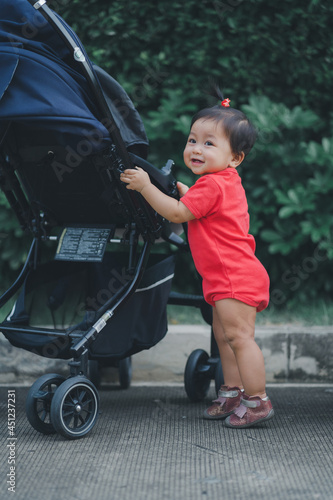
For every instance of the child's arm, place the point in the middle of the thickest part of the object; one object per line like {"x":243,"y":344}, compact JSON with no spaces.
{"x":173,"y":210}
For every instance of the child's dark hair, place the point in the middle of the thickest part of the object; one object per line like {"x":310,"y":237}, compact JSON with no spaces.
{"x":236,"y":126}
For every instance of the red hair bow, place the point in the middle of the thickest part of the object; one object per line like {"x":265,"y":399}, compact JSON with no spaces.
{"x":225,"y":103}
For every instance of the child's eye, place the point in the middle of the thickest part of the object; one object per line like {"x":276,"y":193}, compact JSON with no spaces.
{"x":209,"y":143}
{"x":192,"y":141}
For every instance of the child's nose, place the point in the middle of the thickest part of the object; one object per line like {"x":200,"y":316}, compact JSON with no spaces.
{"x":197,"y":148}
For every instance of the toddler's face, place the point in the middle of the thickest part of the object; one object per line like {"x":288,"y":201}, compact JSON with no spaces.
{"x":207,"y":149}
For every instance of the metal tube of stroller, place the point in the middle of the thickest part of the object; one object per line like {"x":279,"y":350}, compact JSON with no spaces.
{"x":19,"y":280}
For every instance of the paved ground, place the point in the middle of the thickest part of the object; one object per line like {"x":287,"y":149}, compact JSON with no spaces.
{"x":151,"y":443}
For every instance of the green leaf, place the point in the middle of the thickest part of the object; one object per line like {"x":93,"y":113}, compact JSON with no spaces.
{"x":286,"y":212}
{"x":293,"y":196}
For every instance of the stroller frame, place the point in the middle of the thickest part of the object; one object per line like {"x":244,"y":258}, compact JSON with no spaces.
{"x":51,"y":394}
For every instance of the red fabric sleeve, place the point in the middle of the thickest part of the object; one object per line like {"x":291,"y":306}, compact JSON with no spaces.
{"x":203,"y":198}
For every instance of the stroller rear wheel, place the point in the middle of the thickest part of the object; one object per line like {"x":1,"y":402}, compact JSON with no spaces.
{"x":197,"y":375}
{"x":74,"y":408}
{"x":38,"y":402}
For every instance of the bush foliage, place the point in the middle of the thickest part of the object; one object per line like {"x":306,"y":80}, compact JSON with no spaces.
{"x":274,"y":61}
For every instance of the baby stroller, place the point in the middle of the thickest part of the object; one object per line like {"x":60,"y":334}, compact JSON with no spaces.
{"x":67,"y":131}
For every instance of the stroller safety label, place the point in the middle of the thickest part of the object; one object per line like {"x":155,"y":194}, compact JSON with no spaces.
{"x":82,"y":244}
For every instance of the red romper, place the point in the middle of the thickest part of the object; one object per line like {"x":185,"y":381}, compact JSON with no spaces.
{"x":221,"y":246}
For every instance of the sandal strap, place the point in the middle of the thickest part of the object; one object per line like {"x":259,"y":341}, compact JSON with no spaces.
{"x":220,"y":400}
{"x":244,"y":405}
{"x":227,"y":394}
{"x":224,"y":395}
{"x":250,"y":403}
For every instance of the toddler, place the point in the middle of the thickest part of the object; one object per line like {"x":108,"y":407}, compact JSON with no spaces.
{"x":234,"y":282}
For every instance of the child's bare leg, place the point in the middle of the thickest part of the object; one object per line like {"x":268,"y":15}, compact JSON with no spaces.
{"x":229,"y":365}
{"x":238,"y":323}
{"x":230,"y":394}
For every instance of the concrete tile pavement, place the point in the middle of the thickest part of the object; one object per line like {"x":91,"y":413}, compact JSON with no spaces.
{"x":151,"y":443}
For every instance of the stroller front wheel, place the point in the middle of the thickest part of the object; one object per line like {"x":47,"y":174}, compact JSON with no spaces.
{"x":38,"y":402}
{"x":74,"y":408}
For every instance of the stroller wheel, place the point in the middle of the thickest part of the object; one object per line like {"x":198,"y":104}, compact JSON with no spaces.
{"x":74,"y":408}
{"x":197,"y":375}
{"x":219,"y":379}
{"x":38,"y":402}
{"x":125,"y":372}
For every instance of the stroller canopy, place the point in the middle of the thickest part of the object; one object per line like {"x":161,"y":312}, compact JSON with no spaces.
{"x":43,"y":89}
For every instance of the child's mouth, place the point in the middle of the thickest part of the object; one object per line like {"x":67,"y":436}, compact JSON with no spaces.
{"x":196,"y":161}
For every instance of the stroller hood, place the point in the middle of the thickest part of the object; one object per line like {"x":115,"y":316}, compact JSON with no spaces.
{"x":41,"y":84}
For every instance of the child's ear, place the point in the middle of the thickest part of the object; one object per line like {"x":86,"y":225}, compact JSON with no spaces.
{"x":237,"y":159}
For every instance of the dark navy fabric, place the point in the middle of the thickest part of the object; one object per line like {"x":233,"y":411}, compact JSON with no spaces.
{"x":21,"y":23}
{"x":42,"y":87}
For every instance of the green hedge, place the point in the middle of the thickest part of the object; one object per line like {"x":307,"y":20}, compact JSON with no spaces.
{"x":273,"y":60}
{"x":289,"y":180}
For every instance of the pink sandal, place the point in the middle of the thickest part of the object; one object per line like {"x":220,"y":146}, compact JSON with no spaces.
{"x":251,"y":411}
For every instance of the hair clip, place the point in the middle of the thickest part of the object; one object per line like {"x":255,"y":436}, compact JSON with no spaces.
{"x":225,"y":103}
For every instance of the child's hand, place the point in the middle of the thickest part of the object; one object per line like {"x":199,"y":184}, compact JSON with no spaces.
{"x":135,"y":178}
{"x":182,"y":188}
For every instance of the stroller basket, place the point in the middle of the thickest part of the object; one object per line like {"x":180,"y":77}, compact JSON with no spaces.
{"x":66,"y":297}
